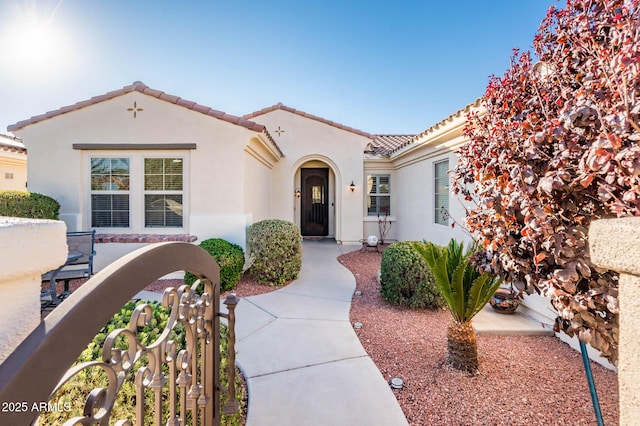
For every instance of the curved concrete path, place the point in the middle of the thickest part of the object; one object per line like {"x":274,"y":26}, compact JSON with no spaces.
{"x":303,"y":362}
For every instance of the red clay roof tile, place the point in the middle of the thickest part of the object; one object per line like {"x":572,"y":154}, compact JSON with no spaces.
{"x":441,"y":123}
{"x":142,"y":88}
{"x":12,"y":144}
{"x":280,"y":106}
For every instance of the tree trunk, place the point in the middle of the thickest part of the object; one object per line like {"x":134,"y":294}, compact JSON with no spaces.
{"x":462,"y":346}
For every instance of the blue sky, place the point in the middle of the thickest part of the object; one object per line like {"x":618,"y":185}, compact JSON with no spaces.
{"x":379,"y":66}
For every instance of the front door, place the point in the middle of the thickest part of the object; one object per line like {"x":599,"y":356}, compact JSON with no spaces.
{"x":314,"y":207}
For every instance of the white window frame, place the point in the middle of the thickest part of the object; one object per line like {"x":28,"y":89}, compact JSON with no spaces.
{"x":146,"y":192}
{"x":377,"y":194}
{"x":137,"y":191}
{"x":93,"y":192}
{"x":437,"y":217}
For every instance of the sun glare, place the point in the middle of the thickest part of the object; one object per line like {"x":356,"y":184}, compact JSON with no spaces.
{"x":33,"y":45}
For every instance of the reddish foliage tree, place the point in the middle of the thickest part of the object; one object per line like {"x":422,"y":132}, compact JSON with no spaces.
{"x":556,"y":146}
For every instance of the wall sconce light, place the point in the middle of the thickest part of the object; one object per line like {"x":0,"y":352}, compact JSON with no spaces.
{"x":297,"y":193}
{"x":352,"y":187}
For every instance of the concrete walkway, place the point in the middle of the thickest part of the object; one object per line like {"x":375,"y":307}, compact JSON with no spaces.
{"x":303,"y":362}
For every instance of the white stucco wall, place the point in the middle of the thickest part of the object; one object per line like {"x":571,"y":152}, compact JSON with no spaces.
{"x":23,"y":259}
{"x":613,"y":244}
{"x":214,"y":173}
{"x":258,"y":187}
{"x":415,"y":179}
{"x":305,"y":140}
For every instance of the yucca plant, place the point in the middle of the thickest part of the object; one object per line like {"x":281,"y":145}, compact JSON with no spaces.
{"x":465,"y":291}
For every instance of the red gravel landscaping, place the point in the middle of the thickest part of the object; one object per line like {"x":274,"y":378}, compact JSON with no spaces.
{"x":522,"y":380}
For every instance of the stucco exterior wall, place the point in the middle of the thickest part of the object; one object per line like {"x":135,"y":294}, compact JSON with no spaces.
{"x":258,"y":186}
{"x":415,"y":177}
{"x":305,"y":140}
{"x":214,"y":173}
{"x":613,"y":244}
{"x":24,"y":258}
{"x":13,"y":171}
{"x":58,"y":170}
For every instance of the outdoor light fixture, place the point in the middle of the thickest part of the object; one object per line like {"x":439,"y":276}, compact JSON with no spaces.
{"x":352,"y":187}
{"x":297,"y":193}
{"x":396,"y":383}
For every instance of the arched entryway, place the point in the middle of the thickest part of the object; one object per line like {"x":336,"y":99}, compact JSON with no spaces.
{"x":314,"y":202}
{"x":316,"y":206}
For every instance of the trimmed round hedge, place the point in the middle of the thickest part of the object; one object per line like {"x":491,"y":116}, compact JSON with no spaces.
{"x":28,"y":204}
{"x":275,"y":247}
{"x":405,"y":278}
{"x":230,"y":258}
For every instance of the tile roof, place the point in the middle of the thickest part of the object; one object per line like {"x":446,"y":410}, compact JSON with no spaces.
{"x":12,"y":144}
{"x":474,"y":105}
{"x":142,"y":88}
{"x":280,"y":106}
{"x":384,"y":144}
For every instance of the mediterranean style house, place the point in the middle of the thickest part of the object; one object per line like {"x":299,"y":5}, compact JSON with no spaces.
{"x":13,"y":164}
{"x":140,"y":165}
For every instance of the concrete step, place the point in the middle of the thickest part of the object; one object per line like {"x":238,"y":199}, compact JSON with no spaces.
{"x":490,"y":322}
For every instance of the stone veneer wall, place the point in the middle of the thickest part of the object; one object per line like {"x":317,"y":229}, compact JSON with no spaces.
{"x":615,"y":244}
{"x":28,"y":248}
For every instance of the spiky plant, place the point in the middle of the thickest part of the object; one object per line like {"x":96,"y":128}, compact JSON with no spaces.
{"x":465,"y":291}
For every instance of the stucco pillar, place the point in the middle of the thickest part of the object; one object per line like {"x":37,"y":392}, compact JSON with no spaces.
{"x":28,"y":248}
{"x":615,"y":244}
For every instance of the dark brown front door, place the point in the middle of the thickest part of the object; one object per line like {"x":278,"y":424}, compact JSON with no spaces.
{"x":314,"y":208}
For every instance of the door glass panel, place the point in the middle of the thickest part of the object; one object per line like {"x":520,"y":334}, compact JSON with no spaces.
{"x":317,"y":194}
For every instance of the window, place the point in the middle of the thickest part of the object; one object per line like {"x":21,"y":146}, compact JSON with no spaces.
{"x":441,"y":190}
{"x":110,"y":192}
{"x":137,"y":192}
{"x":163,"y":192}
{"x":379,"y":198}
{"x":8,"y":175}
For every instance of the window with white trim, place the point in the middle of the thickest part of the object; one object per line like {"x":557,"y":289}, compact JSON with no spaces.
{"x":110,"y":190}
{"x":163,"y":192}
{"x":379,"y":195}
{"x":441,"y":191}
{"x":137,"y":192}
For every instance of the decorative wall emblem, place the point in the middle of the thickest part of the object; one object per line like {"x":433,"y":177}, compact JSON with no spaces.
{"x":279,"y":131}
{"x":135,"y":109}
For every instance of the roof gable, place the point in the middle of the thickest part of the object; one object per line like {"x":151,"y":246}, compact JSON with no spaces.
{"x":281,"y":107}
{"x":438,"y":126}
{"x":144,"y":89}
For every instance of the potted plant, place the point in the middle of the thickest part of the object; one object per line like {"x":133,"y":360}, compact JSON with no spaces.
{"x":465,"y":291}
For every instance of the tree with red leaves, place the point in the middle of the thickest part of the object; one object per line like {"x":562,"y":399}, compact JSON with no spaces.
{"x":556,"y":146}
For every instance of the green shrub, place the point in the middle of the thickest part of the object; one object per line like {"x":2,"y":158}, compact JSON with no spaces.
{"x":405,"y":278}
{"x":74,"y":392}
{"x":230,"y":258}
{"x":275,"y":247}
{"x":28,"y":204}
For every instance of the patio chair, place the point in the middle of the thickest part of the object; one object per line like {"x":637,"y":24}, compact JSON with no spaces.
{"x":79,"y":265}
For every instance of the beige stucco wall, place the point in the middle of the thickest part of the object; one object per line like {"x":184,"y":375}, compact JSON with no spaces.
{"x":23,"y":259}
{"x":258,"y":188}
{"x":613,"y":244}
{"x":414,"y":176}
{"x":16,"y":164}
{"x":305,"y":140}
{"x":214,"y":174}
